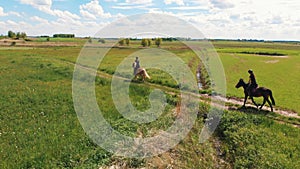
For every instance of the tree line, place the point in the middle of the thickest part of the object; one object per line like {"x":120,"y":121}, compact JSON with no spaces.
{"x":145,"y":42}
{"x":63,"y":35}
{"x":16,"y":35}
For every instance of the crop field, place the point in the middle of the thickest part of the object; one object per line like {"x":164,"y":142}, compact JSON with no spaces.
{"x":39,"y":127}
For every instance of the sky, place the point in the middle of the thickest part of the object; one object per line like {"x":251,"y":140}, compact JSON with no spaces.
{"x":226,"y":19}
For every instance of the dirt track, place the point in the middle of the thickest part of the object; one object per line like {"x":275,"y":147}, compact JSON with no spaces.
{"x":235,"y":103}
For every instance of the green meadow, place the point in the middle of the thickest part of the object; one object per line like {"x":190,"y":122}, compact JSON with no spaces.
{"x":276,"y":66}
{"x":39,"y":127}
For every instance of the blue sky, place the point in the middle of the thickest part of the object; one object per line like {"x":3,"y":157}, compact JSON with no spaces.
{"x":232,"y":19}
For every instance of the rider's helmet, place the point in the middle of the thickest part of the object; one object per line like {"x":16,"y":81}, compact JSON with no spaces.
{"x":250,"y":71}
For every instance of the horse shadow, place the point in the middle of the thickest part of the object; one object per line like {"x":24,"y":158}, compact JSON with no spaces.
{"x":135,"y":81}
{"x":249,"y":110}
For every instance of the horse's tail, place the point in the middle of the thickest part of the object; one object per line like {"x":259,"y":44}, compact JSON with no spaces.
{"x":146,"y":74}
{"x":272,"y":99}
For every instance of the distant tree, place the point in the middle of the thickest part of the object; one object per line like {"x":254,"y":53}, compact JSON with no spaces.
{"x":149,"y":42}
{"x":18,"y":35}
{"x":101,"y":40}
{"x":146,"y":42}
{"x":48,"y":39}
{"x":121,"y":42}
{"x":23,"y":35}
{"x":158,"y":42}
{"x":170,"y":39}
{"x":63,"y":36}
{"x":11,"y":34}
{"x":127,"y":41}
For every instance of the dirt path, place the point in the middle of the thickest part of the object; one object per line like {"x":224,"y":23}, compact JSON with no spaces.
{"x":230,"y":103}
{"x":285,"y":113}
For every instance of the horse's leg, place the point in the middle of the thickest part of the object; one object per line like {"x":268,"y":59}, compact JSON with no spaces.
{"x":270,"y":104}
{"x":264,"y":102}
{"x":254,"y":102}
{"x":245,"y":99}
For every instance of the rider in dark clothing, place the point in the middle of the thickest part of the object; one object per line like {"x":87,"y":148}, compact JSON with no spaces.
{"x":252,"y":82}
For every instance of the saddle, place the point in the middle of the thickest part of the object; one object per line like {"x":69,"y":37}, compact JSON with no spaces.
{"x":252,"y":91}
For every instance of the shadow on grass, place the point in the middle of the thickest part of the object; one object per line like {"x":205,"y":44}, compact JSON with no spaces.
{"x":250,"y":110}
{"x":135,"y":81}
{"x":272,"y":115}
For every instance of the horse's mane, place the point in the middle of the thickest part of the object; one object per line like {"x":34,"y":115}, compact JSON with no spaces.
{"x":241,"y":79}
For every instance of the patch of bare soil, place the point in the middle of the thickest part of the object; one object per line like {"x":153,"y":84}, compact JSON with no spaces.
{"x":273,"y":56}
{"x":272,"y":61}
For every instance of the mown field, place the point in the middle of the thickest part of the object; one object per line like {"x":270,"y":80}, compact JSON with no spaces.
{"x":39,"y":127}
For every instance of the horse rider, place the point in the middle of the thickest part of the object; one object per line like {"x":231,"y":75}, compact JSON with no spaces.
{"x":136,"y":65}
{"x":252,"y":82}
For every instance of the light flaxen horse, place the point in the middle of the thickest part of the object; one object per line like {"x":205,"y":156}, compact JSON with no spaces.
{"x":141,"y":72}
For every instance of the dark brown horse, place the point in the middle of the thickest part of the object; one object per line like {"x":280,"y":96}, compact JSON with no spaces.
{"x":258,"y":92}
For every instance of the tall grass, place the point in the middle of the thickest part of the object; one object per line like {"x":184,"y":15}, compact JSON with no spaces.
{"x":254,"y":141}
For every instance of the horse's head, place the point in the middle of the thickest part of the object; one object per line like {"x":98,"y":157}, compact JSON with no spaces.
{"x":240,"y":83}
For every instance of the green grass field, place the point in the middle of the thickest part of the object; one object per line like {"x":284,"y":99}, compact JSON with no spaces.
{"x":39,"y":127}
{"x":278,"y":73}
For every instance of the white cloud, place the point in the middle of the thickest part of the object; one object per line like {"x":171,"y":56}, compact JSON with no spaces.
{"x":189,"y":8}
{"x":38,"y":19}
{"x":2,"y":13}
{"x":199,"y":2}
{"x":222,"y":4}
{"x":134,"y":4}
{"x":14,"y":13}
{"x":10,"y":22}
{"x":64,"y":14}
{"x":45,"y":6}
{"x":93,"y":10}
{"x":262,"y":19}
{"x":131,"y":2}
{"x":276,"y":19}
{"x":124,"y":7}
{"x":39,"y":4}
{"x":87,"y":15}
{"x":178,"y":2}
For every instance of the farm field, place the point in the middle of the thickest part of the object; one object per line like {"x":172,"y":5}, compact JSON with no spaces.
{"x":39,"y":126}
